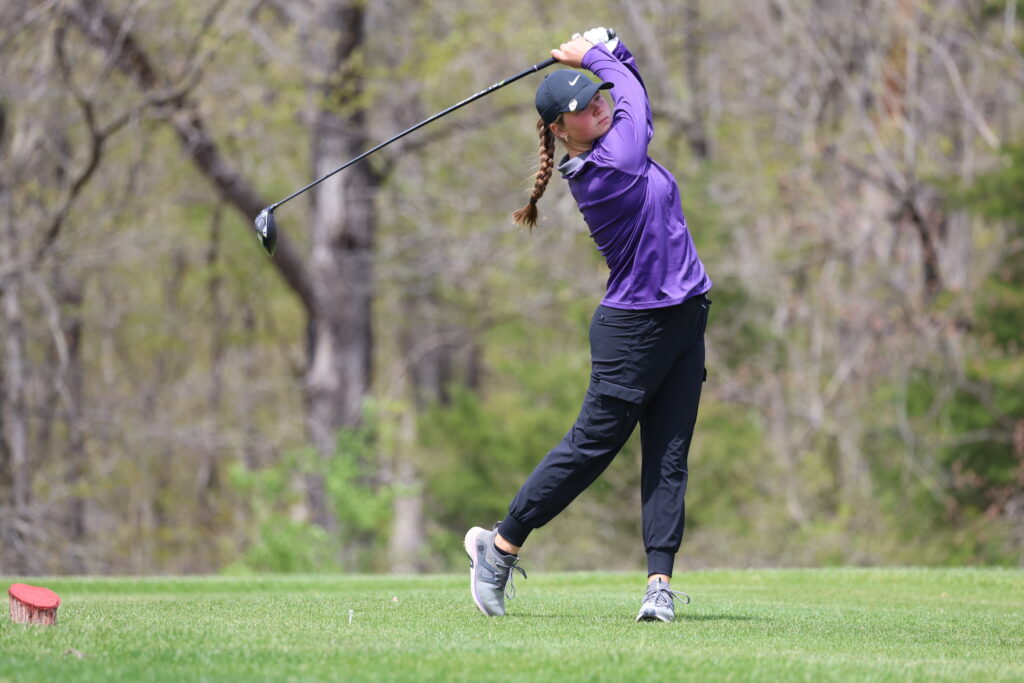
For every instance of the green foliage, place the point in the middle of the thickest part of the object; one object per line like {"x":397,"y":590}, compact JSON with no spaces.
{"x":286,"y":545}
{"x":482,"y":446}
{"x":987,"y":467}
{"x":728,"y":470}
{"x":283,"y":539}
{"x":999,"y":194}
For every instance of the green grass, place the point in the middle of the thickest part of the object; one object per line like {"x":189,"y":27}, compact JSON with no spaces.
{"x":850,"y":624}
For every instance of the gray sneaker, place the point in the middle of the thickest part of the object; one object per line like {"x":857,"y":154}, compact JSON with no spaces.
{"x":489,"y":571}
{"x":659,"y":602}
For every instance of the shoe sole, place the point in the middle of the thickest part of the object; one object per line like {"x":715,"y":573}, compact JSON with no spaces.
{"x":469,"y":543}
{"x":651,"y":616}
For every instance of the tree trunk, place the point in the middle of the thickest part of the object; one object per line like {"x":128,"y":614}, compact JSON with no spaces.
{"x":336,"y":285}
{"x":15,"y":516}
{"x":427,"y":351}
{"x":341,"y":268}
{"x":696,"y":133}
{"x":14,"y":417}
{"x":6,"y":457}
{"x":208,"y":476}
{"x":70,"y":299}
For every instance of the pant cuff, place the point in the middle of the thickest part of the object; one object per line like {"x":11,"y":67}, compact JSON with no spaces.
{"x":514,"y":531}
{"x":658,"y":561}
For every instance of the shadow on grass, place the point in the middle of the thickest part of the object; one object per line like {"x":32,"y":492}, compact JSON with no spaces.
{"x":618,"y":617}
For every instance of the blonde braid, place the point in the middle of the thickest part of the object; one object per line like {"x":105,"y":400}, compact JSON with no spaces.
{"x":528,"y":214}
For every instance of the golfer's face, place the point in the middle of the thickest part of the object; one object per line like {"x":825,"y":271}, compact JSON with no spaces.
{"x":591,"y":123}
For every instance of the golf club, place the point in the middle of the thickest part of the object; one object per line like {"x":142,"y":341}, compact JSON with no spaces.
{"x":266,"y":226}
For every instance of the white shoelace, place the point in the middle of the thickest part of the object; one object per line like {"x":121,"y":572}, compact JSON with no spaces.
{"x":664,"y":596}
{"x":510,"y":587}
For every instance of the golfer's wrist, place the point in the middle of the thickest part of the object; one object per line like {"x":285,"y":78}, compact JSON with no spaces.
{"x":588,"y":59}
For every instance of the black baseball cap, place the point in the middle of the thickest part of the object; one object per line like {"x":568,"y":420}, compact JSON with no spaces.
{"x":565,"y":90}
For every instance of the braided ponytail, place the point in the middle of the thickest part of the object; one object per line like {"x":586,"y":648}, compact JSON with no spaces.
{"x":528,"y":214}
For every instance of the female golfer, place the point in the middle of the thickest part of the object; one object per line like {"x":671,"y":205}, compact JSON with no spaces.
{"x":646,"y":336}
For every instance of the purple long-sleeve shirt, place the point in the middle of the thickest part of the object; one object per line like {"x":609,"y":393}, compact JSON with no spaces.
{"x":630,"y":202}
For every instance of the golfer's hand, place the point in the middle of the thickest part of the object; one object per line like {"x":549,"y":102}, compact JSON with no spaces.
{"x":602,"y":35}
{"x":571,"y":53}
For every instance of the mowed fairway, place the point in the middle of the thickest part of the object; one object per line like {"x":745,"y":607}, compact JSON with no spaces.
{"x":834,"y":624}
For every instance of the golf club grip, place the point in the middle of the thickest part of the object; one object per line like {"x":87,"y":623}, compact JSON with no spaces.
{"x":500,"y":84}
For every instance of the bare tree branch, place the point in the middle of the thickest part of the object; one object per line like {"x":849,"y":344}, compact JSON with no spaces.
{"x":96,"y":142}
{"x":970,"y":111}
{"x":26,"y":20}
{"x":413,"y":144}
{"x":105,"y":30}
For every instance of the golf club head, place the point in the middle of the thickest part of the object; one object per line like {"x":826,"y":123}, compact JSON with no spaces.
{"x":266,"y":231}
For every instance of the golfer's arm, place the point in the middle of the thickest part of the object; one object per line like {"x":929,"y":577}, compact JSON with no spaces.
{"x":625,"y":145}
{"x":623,"y":54}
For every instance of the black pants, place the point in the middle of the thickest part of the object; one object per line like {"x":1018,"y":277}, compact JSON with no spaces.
{"x":647,"y":367}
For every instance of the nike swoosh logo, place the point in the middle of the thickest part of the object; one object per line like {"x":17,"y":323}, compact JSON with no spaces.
{"x":573,"y":81}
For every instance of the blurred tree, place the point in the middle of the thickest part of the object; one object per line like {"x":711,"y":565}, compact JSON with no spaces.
{"x":986,"y":453}
{"x":335,"y":285}
{"x":862,"y":403}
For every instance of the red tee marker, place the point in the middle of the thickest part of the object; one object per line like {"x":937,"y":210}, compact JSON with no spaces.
{"x":33,"y":604}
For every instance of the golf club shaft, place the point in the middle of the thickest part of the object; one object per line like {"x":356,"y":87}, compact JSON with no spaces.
{"x":500,"y":84}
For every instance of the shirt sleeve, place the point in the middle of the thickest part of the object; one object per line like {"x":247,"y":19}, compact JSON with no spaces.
{"x":622,"y":53}
{"x":624,"y":146}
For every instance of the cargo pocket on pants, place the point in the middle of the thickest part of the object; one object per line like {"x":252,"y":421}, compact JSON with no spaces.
{"x":611,"y":411}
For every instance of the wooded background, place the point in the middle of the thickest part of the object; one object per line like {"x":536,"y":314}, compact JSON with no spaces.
{"x":175,"y":401}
